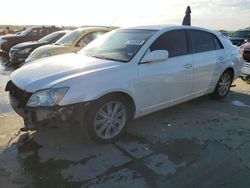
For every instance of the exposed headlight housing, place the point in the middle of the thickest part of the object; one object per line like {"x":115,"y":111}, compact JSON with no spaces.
{"x":25,"y":51}
{"x":48,"y":97}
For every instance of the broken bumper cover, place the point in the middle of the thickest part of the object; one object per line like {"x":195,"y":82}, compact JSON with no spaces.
{"x":33,"y":115}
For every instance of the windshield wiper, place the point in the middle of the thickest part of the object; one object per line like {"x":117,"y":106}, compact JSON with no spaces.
{"x":97,"y":56}
{"x":106,"y":58}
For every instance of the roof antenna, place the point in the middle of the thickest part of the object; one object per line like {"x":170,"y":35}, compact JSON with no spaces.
{"x":113,"y":22}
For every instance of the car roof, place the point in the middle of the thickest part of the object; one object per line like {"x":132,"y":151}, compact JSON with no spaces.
{"x":82,"y":29}
{"x":45,"y":26}
{"x":166,"y":27}
{"x":62,"y":31}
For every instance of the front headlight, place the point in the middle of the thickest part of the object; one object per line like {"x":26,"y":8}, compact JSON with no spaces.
{"x":25,"y":51}
{"x":48,"y":97}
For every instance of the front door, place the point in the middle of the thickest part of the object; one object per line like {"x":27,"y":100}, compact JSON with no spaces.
{"x":163,"y":83}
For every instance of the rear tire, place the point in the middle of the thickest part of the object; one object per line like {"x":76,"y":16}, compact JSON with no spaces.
{"x":223,"y":86}
{"x":107,"y":118}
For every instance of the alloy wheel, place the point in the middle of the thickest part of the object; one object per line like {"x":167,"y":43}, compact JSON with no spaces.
{"x":110,"y":119}
{"x":224,"y":84}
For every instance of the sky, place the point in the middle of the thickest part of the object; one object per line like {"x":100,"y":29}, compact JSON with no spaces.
{"x":212,"y":14}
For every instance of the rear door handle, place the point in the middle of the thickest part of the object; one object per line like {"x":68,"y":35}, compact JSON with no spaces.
{"x":187,"y":66}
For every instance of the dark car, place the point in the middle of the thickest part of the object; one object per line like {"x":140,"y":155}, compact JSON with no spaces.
{"x":20,"y":52}
{"x":30,"y":34}
{"x":239,"y":37}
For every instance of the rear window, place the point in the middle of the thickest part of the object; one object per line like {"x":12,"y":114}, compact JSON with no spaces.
{"x":201,"y":41}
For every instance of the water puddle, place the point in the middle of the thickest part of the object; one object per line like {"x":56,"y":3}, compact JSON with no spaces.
{"x":181,"y":151}
{"x":5,"y":67}
{"x":240,"y":104}
{"x":44,"y":174}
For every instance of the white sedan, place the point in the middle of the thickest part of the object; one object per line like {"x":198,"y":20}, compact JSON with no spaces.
{"x":123,"y":75}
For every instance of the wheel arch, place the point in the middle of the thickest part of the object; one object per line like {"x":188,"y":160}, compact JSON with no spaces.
{"x":123,"y":94}
{"x":231,"y":70}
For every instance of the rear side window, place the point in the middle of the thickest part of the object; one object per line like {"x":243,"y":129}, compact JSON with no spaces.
{"x":201,"y":41}
{"x":217,"y":43}
{"x":175,"y":42}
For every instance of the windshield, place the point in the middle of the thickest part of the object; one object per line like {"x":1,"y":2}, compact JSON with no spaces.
{"x":25,"y":32}
{"x":68,"y":39}
{"x":49,"y":38}
{"x":242,"y":34}
{"x":120,"y":45}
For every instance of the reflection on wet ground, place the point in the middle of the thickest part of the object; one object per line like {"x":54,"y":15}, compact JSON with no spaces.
{"x":5,"y":66}
{"x":5,"y":70}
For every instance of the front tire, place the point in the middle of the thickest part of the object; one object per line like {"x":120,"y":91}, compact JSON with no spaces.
{"x":223,"y":85}
{"x":107,"y":118}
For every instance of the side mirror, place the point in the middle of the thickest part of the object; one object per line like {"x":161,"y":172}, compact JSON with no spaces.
{"x":154,"y":56}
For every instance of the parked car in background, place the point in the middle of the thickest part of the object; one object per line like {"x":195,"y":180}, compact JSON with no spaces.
{"x":72,"y":42}
{"x":123,"y":75}
{"x":20,"y":52}
{"x":245,"y":51}
{"x":239,"y":37}
{"x":30,"y":34}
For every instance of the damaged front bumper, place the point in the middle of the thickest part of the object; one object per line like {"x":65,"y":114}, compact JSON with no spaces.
{"x":34,"y":115}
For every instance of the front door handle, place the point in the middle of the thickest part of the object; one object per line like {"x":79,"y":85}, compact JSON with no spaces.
{"x":187,"y":66}
{"x":221,"y":58}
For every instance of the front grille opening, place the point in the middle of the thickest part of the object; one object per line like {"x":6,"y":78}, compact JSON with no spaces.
{"x":20,"y":95}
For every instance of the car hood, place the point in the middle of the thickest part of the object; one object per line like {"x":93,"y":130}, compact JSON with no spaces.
{"x":49,"y":49}
{"x":48,"y":72}
{"x":28,"y":44}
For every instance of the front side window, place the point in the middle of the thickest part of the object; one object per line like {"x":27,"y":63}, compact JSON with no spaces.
{"x":68,"y":39}
{"x":201,"y":41}
{"x":175,"y":42}
{"x":34,"y":33}
{"x":119,"y":45}
{"x":42,"y":31}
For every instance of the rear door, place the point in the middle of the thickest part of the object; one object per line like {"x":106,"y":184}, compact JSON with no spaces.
{"x":204,"y":60}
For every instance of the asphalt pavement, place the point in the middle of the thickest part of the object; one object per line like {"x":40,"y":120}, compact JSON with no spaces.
{"x":202,"y":143}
